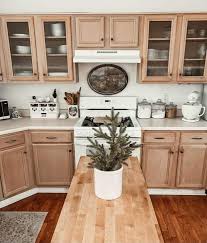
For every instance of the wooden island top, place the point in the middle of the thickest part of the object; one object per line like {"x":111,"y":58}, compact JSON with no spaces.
{"x":88,"y":219}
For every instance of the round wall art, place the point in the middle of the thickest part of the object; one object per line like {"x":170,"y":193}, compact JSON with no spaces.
{"x":107,"y":79}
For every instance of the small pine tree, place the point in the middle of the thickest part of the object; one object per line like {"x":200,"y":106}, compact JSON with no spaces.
{"x":111,"y":157}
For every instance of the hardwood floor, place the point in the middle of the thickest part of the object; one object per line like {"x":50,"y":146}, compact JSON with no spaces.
{"x":47,"y":202}
{"x":182,"y":218}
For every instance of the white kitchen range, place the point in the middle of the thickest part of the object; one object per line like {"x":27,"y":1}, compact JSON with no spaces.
{"x":92,"y":114}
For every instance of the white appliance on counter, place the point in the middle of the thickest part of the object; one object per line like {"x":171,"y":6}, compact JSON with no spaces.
{"x":193,"y":109}
{"x":204,"y":101}
{"x":93,"y":110}
{"x":46,"y":110}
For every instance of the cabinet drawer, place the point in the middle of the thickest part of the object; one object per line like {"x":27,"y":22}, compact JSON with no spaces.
{"x":52,"y":137}
{"x":193,"y":137}
{"x":159,"y":137}
{"x":12,"y":140}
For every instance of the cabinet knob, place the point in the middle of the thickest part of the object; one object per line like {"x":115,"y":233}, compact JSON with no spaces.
{"x":70,"y":150}
{"x":1,"y":74}
{"x":112,"y":39}
{"x":44,"y":74}
{"x":35,"y":74}
{"x":181,"y":150}
{"x":180,"y":74}
{"x":102,"y":39}
{"x":171,"y":151}
{"x":170,"y":74}
{"x":25,"y":152}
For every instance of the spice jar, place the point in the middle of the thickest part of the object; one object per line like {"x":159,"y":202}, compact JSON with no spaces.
{"x":144,"y":109}
{"x":171,"y":110}
{"x":158,"y":109}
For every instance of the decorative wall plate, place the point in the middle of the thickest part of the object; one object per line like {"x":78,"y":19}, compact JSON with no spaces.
{"x":107,"y":79}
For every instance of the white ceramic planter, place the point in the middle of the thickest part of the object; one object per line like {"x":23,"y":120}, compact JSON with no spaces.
{"x":108,"y":184}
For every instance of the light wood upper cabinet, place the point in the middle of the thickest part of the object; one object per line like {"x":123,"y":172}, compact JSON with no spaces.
{"x":193,"y":49}
{"x":53,"y":164}
{"x":159,"y":165}
{"x":2,"y":58}
{"x":192,"y":162}
{"x":14,"y":170}
{"x":123,"y":31}
{"x":158,"y":48}
{"x":54,"y":46}
{"x":90,"y":31}
{"x":20,"y":49}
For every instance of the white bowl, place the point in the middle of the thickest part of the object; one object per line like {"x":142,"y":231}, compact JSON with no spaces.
{"x":57,"y":29}
{"x":23,"y":49}
{"x":62,"y":49}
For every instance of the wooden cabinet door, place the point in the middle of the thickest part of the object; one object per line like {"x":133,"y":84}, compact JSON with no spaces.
{"x":53,"y":164}
{"x":159,"y":165}
{"x":20,"y":48}
{"x":191,"y":171}
{"x":158,"y":49}
{"x":14,"y":170}
{"x":193,"y":49}
{"x":90,"y":31}
{"x":54,"y":43}
{"x":124,"y":31}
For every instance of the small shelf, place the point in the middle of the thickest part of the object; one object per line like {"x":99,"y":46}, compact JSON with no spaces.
{"x":19,"y":37}
{"x":196,"y":38}
{"x":194,"y":59}
{"x":159,"y":39}
{"x":56,"y":55}
{"x":21,"y":55}
{"x":55,"y":37}
{"x":157,"y":60}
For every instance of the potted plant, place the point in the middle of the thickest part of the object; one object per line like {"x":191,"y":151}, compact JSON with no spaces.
{"x":108,"y":158}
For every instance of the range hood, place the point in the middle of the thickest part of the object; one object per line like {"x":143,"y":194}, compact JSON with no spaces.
{"x":107,"y":56}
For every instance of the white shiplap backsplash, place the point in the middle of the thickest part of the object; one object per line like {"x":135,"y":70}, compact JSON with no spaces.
{"x":20,"y":95}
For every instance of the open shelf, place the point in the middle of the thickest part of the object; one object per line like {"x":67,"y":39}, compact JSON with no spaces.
{"x":55,"y":37}
{"x":21,"y":55}
{"x":19,"y":37}
{"x":159,"y":39}
{"x":56,"y":55}
{"x":196,"y":38}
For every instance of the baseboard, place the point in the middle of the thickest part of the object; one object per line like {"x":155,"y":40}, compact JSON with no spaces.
{"x":31,"y":192}
{"x":181,"y":192}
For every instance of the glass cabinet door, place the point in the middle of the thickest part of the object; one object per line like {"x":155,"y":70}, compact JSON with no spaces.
{"x":20,"y":48}
{"x":192,"y":62}
{"x":158,"y":48}
{"x":57,"y":48}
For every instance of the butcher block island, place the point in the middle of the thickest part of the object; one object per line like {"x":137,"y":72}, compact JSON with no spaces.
{"x":128,"y":219}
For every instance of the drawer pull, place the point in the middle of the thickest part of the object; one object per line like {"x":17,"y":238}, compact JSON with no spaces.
{"x":11,"y":141}
{"x":197,"y":138}
{"x":159,"y":138}
{"x":51,"y":137}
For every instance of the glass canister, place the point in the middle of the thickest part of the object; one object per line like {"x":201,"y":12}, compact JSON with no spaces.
{"x":144,"y":109}
{"x":171,"y":110}
{"x":158,"y":109}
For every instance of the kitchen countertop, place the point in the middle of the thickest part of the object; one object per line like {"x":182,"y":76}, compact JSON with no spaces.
{"x":86,"y":218}
{"x":17,"y":125}
{"x":171,"y":124}
{"x":10,"y":126}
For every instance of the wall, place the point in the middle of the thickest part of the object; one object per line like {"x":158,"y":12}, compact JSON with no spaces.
{"x":37,"y":6}
{"x":20,"y":95}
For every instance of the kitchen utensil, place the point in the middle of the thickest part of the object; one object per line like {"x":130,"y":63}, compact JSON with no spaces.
{"x":23,"y":49}
{"x":158,"y":109}
{"x":57,"y":29}
{"x":144,"y":109}
{"x":171,"y":110}
{"x":15,"y":113}
{"x":63,"y":116}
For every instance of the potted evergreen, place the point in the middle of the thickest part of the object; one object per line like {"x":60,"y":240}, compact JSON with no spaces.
{"x":108,"y":159}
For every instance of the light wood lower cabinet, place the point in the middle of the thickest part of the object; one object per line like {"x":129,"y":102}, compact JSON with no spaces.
{"x":159,"y":165}
{"x":191,"y":171}
{"x":14,"y":170}
{"x":53,"y":164}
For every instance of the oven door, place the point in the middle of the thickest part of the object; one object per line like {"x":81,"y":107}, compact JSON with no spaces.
{"x":82,"y":148}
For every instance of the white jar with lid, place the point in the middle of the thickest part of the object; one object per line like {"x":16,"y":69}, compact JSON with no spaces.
{"x":158,"y":109}
{"x":144,"y":109}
